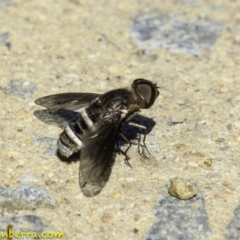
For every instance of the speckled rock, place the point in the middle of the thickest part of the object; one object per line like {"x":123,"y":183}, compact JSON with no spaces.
{"x":179,"y":219}
{"x":153,"y":30}
{"x":28,"y":224}
{"x":25,"y":197}
{"x":232,"y":230}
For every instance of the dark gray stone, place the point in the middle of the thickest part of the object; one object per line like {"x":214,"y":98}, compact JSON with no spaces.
{"x":179,"y":219}
{"x":5,"y":3}
{"x":28,"y":224}
{"x":4,"y":36}
{"x":20,"y":88}
{"x":174,"y":32}
{"x":25,"y":197}
{"x":192,"y":3}
{"x":50,"y":145}
{"x":233,"y":230}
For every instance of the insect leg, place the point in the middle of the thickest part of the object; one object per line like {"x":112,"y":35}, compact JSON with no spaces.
{"x":141,"y":146}
{"x":124,"y":137}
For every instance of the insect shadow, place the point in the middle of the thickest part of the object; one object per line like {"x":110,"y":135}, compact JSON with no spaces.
{"x":62,"y":117}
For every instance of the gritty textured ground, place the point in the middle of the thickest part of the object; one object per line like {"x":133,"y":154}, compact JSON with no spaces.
{"x":49,"y":47}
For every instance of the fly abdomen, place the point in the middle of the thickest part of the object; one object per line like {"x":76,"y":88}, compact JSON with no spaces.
{"x":63,"y":150}
{"x":69,"y":141}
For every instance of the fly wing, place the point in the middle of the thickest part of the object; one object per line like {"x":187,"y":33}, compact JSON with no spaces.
{"x":97,"y":154}
{"x":70,"y":101}
{"x":91,"y":189}
{"x":60,"y":118}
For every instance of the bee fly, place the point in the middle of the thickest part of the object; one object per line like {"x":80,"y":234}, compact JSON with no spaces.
{"x":97,"y":122}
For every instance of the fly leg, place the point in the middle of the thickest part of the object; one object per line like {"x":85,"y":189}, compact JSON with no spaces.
{"x":124,"y":137}
{"x":141,"y":143}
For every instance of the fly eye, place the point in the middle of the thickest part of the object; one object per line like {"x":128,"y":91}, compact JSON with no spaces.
{"x":146,"y":91}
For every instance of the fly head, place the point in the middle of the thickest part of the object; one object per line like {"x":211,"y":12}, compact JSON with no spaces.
{"x":146,"y":92}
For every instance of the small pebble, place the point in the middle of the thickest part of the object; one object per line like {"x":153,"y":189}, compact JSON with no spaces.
{"x":208,"y":162}
{"x":181,"y":189}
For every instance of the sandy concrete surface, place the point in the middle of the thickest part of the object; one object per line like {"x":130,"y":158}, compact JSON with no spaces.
{"x":86,"y":46}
